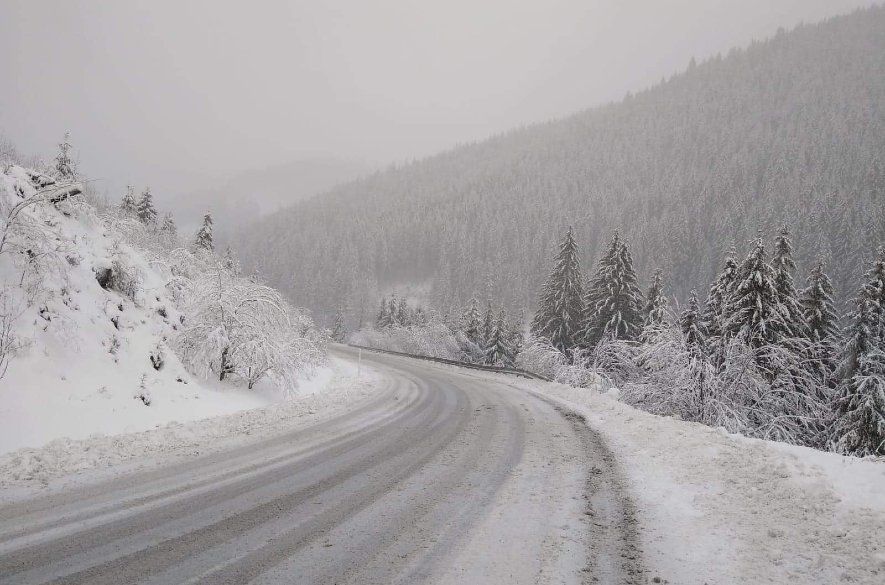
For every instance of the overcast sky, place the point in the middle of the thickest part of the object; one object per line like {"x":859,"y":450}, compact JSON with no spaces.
{"x":182,"y":94}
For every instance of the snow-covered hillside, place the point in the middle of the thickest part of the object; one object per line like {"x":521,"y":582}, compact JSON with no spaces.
{"x":94,"y":306}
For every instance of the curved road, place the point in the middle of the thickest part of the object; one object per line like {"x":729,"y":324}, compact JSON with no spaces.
{"x":443,"y":476}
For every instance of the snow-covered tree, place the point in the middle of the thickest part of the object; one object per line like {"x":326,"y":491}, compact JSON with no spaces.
{"x":613,"y":305}
{"x":234,"y":326}
{"x":788,"y":299}
{"x":821,"y":320}
{"x":471,"y":322}
{"x":690,"y":324}
{"x":203,"y":239}
{"x":65,"y":167}
{"x":339,"y":329}
{"x":860,"y":425}
{"x":656,"y":305}
{"x":128,"y":205}
{"x":715,"y":309}
{"x":168,"y":226}
{"x":561,"y":305}
{"x":499,"y":350}
{"x":488,"y":325}
{"x":403,"y":316}
{"x":145,"y":209}
{"x":383,"y":320}
{"x":754,"y":310}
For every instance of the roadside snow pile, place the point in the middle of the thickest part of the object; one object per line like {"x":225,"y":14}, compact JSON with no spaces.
{"x":96,"y":306}
{"x":334,"y":387}
{"x":721,"y":508}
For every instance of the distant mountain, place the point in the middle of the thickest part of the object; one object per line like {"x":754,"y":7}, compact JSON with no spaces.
{"x":787,"y":130}
{"x":256,"y":193}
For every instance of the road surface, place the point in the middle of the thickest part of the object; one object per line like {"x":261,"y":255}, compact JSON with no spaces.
{"x":443,"y":476}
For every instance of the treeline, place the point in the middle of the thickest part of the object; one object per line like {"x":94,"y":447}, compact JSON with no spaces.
{"x":787,"y":130}
{"x":488,"y":337}
{"x":760,"y":356}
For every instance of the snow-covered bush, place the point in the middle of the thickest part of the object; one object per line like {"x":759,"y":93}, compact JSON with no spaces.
{"x":236,"y":326}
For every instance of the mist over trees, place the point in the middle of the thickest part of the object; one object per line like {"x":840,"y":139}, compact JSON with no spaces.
{"x":790,"y":130}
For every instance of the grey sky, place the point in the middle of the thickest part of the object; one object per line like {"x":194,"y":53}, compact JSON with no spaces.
{"x":179,"y":94}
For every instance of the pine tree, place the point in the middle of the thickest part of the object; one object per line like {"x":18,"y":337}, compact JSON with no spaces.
{"x":690,"y":324}
{"x":821,"y":320}
{"x":128,"y":206}
{"x":339,"y":331}
{"x":382,"y":321}
{"x":203,"y":239}
{"x":393,"y":311}
{"x":860,"y":407}
{"x":655,"y":310}
{"x":784,"y":266}
{"x":402,"y":313}
{"x":488,"y":326}
{"x":169,"y":226}
{"x":498,"y":348}
{"x":715,"y":309}
{"x":560,"y":308}
{"x":145,"y":208}
{"x":471,"y":322}
{"x":613,"y":307}
{"x":65,"y":168}
{"x":754,"y":310}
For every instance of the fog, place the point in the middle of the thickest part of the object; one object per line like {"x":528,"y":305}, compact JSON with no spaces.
{"x":184,"y":95}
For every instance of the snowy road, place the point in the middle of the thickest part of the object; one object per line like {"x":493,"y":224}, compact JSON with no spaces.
{"x":440,"y":477}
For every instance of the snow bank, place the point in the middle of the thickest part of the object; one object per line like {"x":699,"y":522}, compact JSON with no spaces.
{"x":95,"y":323}
{"x":721,"y":508}
{"x":334,"y":387}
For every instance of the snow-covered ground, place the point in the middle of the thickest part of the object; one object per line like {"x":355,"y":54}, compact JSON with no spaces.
{"x":725,"y":509}
{"x":73,"y":461}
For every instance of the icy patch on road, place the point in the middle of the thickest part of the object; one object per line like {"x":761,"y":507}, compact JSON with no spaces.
{"x":332,"y":387}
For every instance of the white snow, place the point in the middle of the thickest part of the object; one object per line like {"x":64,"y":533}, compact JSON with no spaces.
{"x":86,"y":369}
{"x":721,"y":508}
{"x":333,"y":388}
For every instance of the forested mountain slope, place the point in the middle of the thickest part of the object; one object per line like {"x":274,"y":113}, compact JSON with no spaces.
{"x":787,"y":130}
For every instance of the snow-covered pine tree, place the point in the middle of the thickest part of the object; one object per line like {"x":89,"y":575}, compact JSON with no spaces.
{"x":471,"y":322}
{"x":613,"y":307}
{"x":690,"y":324}
{"x":860,"y":407}
{"x":655,"y":310}
{"x":203,"y":239}
{"x":715,"y":309}
{"x":403,"y":314}
{"x":561,"y":305}
{"x":393,"y":311}
{"x":382,"y":320}
{"x":821,"y":320}
{"x":754,"y":312}
{"x":169,"y":226}
{"x":127,"y":205}
{"x":499,"y":351}
{"x":488,"y":325}
{"x":784,"y":266}
{"x":65,"y":168}
{"x":145,"y":209}
{"x":339,"y":330}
